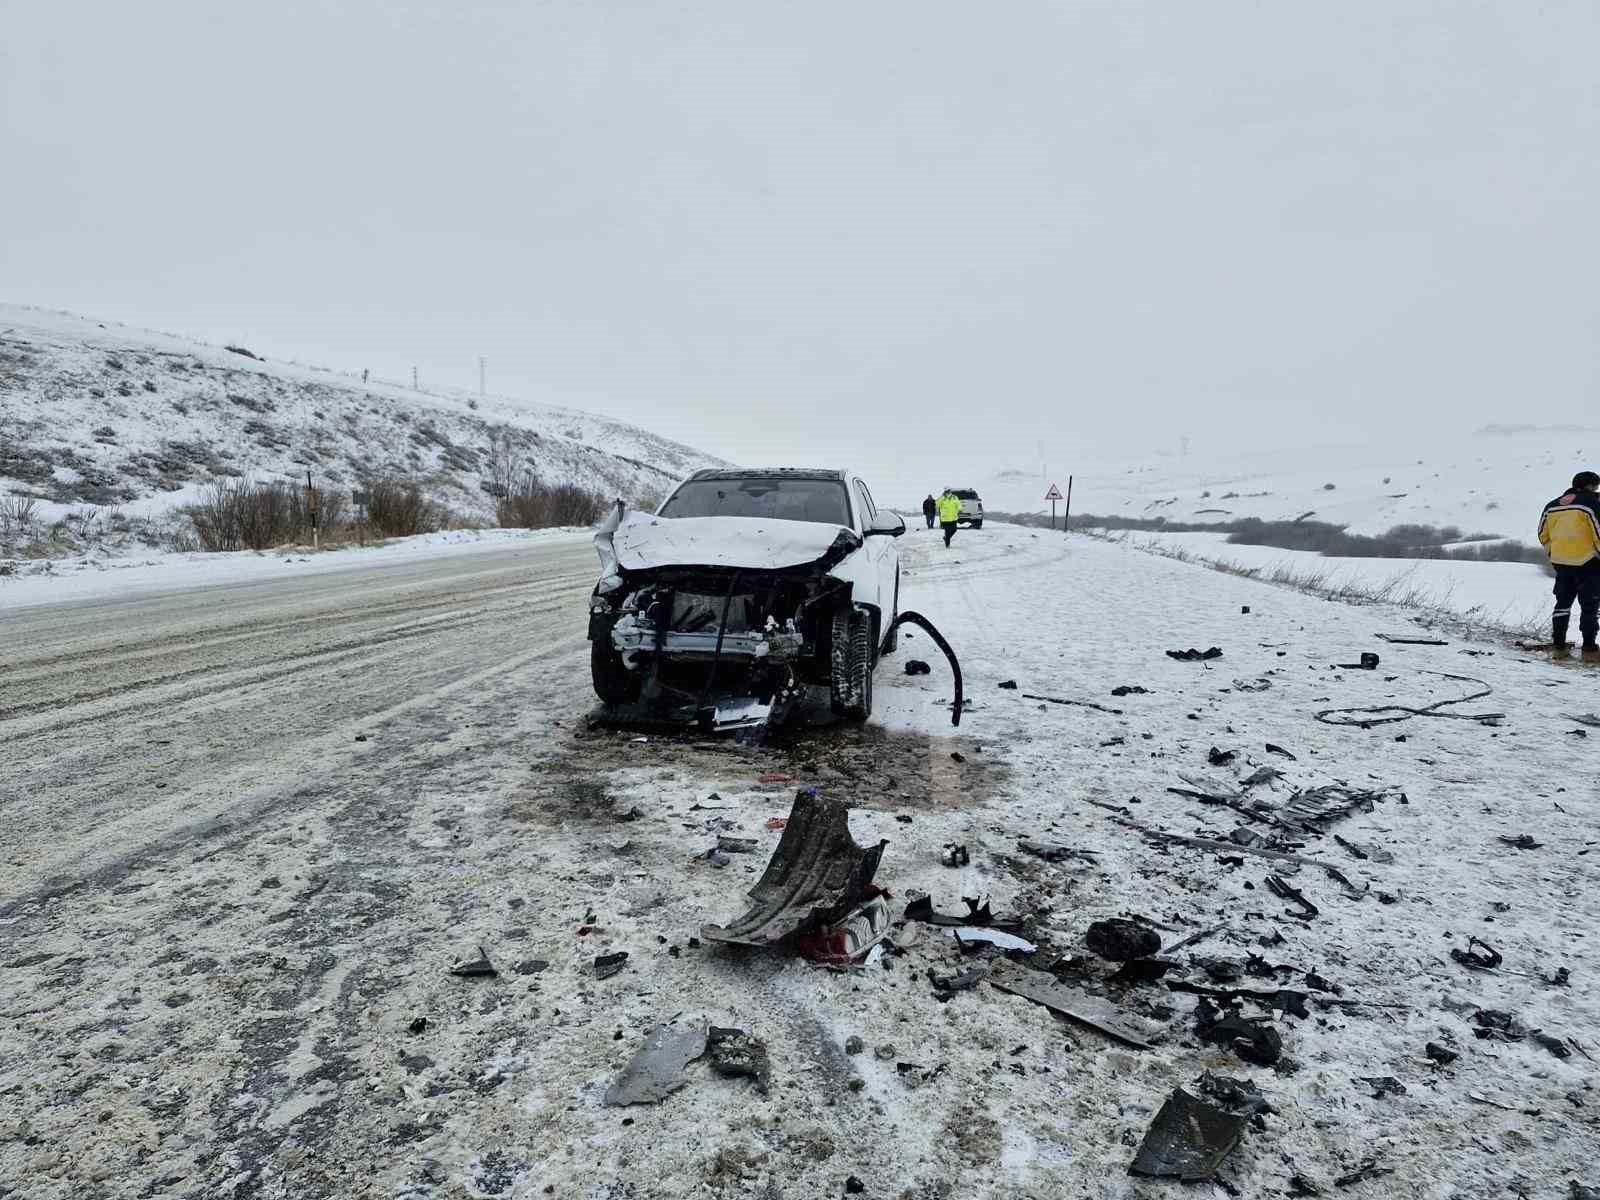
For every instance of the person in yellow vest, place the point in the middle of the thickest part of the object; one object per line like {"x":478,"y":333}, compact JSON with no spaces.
{"x":1569,"y":530}
{"x":949,"y":513}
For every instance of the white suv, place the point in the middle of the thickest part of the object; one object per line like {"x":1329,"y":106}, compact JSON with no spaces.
{"x":741,"y":589}
{"x":971,"y":508}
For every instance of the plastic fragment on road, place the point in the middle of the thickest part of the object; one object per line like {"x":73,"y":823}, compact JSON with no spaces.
{"x":1195,"y":1131}
{"x":1053,"y":852}
{"x":945,"y":986}
{"x":735,"y":1054}
{"x":915,"y":666}
{"x":1523,"y":841}
{"x":1478,"y":955}
{"x":1193,"y":655}
{"x":992,"y":937}
{"x":1075,"y":1005}
{"x":955,"y":855}
{"x":1253,"y":1040}
{"x":850,"y":939}
{"x":656,"y":1069}
{"x":474,"y":966}
{"x":921,"y":909}
{"x":815,"y":878}
{"x":607,"y":965}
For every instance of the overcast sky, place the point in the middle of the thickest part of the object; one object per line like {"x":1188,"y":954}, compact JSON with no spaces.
{"x":930,"y":238}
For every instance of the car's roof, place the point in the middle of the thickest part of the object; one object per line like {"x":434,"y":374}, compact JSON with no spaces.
{"x":774,"y":473}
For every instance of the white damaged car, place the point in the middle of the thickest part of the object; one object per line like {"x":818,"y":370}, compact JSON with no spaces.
{"x":741,"y":591}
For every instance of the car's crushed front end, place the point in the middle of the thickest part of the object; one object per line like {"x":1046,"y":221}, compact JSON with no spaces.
{"x":724,"y":620}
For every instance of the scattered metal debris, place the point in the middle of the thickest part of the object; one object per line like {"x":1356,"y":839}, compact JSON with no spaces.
{"x":1118,"y":939}
{"x":1313,"y":810}
{"x":734,"y":1053}
{"x":1193,"y":655}
{"x":1486,"y":961}
{"x":954,"y":855}
{"x":475,"y":967}
{"x":1195,"y":1131}
{"x":607,"y":965}
{"x":1070,"y":1003}
{"x":656,"y":1069}
{"x":967,"y":934}
{"x":817,"y":875}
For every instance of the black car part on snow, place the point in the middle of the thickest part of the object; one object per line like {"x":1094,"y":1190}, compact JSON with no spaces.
{"x":938,"y":640}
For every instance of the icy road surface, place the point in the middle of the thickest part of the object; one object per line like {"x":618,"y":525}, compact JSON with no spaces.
{"x":246,"y":831}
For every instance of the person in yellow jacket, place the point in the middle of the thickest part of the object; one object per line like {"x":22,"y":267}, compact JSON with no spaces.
{"x":949,"y":513}
{"x":1569,"y":530}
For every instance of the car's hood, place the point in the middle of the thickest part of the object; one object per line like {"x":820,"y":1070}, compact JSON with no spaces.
{"x":644,"y":542}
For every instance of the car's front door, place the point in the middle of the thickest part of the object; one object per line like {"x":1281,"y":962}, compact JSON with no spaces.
{"x":882,"y":552}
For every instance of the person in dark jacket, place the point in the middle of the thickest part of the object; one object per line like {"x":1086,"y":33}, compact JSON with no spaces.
{"x":1569,"y":530}
{"x":930,"y":510}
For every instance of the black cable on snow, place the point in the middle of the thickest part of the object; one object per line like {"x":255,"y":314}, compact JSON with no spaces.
{"x":938,"y":639}
{"x":1373,"y":715}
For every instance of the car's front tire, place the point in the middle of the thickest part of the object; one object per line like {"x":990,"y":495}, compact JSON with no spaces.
{"x":613,"y":682}
{"x":850,"y":674}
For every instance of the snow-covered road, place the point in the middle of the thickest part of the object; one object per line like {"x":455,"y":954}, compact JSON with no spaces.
{"x":222,"y":915}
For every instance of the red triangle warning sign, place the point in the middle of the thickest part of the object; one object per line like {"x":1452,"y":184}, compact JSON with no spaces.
{"x":1054,"y":493}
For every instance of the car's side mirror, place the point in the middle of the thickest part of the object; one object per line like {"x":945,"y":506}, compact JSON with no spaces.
{"x":886,"y":524}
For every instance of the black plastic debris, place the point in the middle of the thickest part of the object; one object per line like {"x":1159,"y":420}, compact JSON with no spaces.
{"x":1129,"y":691}
{"x":1317,"y":983}
{"x":656,"y":1069}
{"x":1261,"y":775}
{"x":1478,"y":955}
{"x":1442,"y":1055}
{"x":946,"y":986}
{"x":1561,"y":978}
{"x":1314,"y":810}
{"x":607,"y":965}
{"x":530,"y":966}
{"x":418,"y":1025}
{"x":1580,"y":1191}
{"x":1495,"y":1024}
{"x":1369,"y":662}
{"x":1299,"y":1185}
{"x":921,"y":909}
{"x":1195,"y":1131}
{"x":1193,"y":655}
{"x":1281,"y":752}
{"x":915,"y":666}
{"x":854,"y":1186}
{"x":1396,"y":640}
{"x":954,"y":855}
{"x":1552,"y":1043}
{"x":1221,"y":758}
{"x":1523,"y":841}
{"x":1075,"y":1005}
{"x":1140,"y":971}
{"x":1251,"y":1039}
{"x":474,"y":966}
{"x":1052,"y":852}
{"x":1118,"y":939}
{"x":1009,"y":685}
{"x":1383,"y":1085}
{"x":1365,"y":852}
{"x":817,"y":875}
{"x":1367,"y":1170}
{"x":735,"y":1054}
{"x":736,"y":845}
{"x":1286,"y":1000}
{"x":1284,"y":891}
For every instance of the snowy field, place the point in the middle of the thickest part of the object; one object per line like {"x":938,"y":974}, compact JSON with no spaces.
{"x":230,"y":914}
{"x":1510,"y":595}
{"x":1493,"y":481}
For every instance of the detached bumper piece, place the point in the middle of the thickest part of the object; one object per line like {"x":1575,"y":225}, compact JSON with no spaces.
{"x":818,"y":878}
{"x":1192,"y":1134}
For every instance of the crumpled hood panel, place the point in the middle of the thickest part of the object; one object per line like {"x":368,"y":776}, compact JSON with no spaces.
{"x":644,"y":542}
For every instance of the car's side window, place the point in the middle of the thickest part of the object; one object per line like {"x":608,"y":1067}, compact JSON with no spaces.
{"x":864,"y":498}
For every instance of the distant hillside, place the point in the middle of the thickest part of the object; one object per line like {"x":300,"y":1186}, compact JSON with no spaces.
{"x":1494,"y":481}
{"x":104,"y":415}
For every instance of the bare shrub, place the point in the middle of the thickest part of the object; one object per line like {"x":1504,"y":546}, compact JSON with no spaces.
{"x":536,"y":505}
{"x":19,"y":513}
{"x":397,"y":508}
{"x":239,"y":514}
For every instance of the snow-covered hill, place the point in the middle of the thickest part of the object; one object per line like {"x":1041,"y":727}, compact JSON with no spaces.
{"x":102,"y":414}
{"x":1494,"y":481}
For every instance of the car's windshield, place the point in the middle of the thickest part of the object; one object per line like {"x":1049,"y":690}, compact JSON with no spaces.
{"x":820,"y":500}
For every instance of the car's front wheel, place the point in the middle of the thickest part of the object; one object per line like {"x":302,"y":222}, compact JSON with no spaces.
{"x":850,"y":676}
{"x":613,"y":682}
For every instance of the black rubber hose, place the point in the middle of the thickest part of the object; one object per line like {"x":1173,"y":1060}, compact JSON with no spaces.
{"x":722,"y":630}
{"x":938,"y":639}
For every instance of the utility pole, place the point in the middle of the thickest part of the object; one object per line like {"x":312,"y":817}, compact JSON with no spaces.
{"x":414,"y":379}
{"x":481,"y":362}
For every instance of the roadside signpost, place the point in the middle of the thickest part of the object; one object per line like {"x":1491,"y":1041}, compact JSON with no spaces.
{"x":1053,"y":495}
